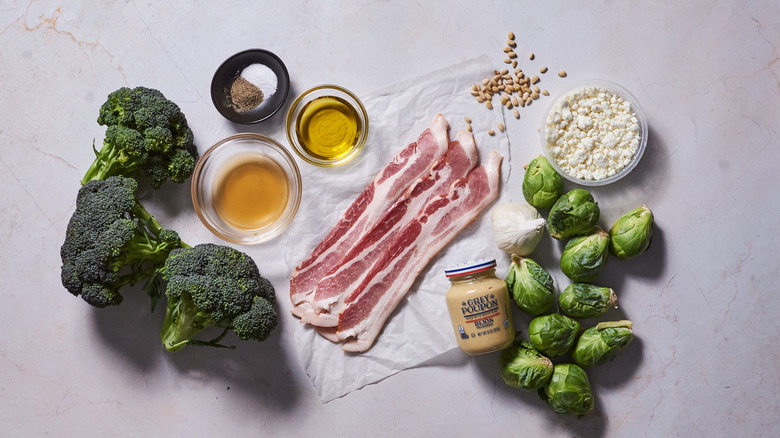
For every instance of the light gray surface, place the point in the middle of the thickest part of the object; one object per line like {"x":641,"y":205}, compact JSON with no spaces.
{"x":703,"y":300}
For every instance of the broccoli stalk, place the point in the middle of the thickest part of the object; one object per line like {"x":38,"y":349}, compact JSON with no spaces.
{"x":183,"y":321}
{"x":215,"y":286}
{"x":147,"y":136}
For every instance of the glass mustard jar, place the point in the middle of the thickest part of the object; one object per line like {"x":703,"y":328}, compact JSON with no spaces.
{"x":479,"y":307}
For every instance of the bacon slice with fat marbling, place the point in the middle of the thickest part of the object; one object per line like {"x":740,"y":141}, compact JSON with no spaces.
{"x":367,"y":309}
{"x":331,"y":291}
{"x":390,"y":183}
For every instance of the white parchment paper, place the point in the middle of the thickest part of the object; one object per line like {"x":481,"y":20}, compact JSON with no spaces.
{"x":419,"y":329}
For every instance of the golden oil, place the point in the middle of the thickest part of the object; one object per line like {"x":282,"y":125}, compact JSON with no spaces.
{"x":251,"y":191}
{"x":328,"y":128}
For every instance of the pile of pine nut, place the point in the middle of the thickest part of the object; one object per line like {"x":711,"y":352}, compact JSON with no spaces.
{"x":514,"y":88}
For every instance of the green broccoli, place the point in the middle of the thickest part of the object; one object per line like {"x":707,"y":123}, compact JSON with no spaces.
{"x":214,"y":285}
{"x":112,"y":241}
{"x":147,"y":136}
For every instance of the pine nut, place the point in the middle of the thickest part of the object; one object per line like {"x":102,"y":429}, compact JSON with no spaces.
{"x":562,"y":73}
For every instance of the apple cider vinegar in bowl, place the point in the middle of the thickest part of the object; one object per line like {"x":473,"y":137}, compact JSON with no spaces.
{"x":251,"y":191}
{"x":246,"y":188}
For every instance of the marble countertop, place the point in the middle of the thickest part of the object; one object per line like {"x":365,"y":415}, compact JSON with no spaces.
{"x":703,"y":299}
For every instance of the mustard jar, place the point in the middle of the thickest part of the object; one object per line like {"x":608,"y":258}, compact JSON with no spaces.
{"x":479,"y":307}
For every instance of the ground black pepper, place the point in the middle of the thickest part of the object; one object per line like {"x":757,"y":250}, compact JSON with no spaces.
{"x":245,"y":95}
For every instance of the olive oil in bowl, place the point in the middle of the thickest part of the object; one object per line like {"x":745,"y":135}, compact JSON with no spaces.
{"x":327,"y":125}
{"x":251,"y":191}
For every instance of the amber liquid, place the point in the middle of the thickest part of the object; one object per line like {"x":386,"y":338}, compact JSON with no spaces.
{"x":251,"y":191}
{"x":328,"y":127}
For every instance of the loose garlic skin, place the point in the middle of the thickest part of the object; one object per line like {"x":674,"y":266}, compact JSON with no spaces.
{"x":517,"y":228}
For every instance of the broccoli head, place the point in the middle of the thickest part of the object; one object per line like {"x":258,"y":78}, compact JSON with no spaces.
{"x":112,"y":241}
{"x":215,"y":285}
{"x":146,"y":136}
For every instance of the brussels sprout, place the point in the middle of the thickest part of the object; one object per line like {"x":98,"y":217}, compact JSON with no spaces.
{"x":553,"y":334}
{"x":632,"y":233}
{"x":569,"y":390}
{"x":542,"y":185}
{"x":574,"y":214}
{"x":530,"y":285}
{"x":583,"y":300}
{"x":523,"y":367}
{"x":602,"y":343}
{"x":584,"y":257}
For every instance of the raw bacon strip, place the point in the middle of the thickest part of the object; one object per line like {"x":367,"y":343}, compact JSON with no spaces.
{"x":346,"y":276}
{"x":411,"y":163}
{"x":366,"y":310}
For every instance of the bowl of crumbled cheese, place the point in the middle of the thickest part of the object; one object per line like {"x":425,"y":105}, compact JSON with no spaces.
{"x":594,"y":133}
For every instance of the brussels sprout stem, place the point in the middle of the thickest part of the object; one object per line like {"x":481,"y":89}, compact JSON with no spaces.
{"x":614,"y":324}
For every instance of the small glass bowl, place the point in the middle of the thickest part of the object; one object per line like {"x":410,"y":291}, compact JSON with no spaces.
{"x":625,"y":95}
{"x":309,"y":96}
{"x":229,"y":72}
{"x":206,"y":177}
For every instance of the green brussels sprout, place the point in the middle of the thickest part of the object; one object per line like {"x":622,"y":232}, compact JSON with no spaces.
{"x":602,"y":343}
{"x":573,"y":214}
{"x":583,"y":300}
{"x":632,"y":233}
{"x":530,"y":285}
{"x":569,"y":390}
{"x":584,"y":257}
{"x":553,"y":334}
{"x":542,"y":185}
{"x":522,"y":366}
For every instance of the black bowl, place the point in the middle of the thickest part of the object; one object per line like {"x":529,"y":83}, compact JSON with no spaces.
{"x":232,"y":68}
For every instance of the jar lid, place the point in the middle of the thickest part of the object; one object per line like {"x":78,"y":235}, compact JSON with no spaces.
{"x":470,"y":268}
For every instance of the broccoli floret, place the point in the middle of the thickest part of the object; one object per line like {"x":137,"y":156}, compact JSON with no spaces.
{"x":147,"y":136}
{"x":112,"y":241}
{"x":214,"y":285}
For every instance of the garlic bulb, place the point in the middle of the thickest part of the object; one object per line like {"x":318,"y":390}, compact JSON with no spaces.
{"x":517,"y":227}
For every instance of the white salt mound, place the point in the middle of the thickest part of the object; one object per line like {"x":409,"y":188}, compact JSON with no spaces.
{"x":261,"y":77}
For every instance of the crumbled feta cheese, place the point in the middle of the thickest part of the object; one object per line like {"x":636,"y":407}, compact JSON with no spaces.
{"x":592,"y":133}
